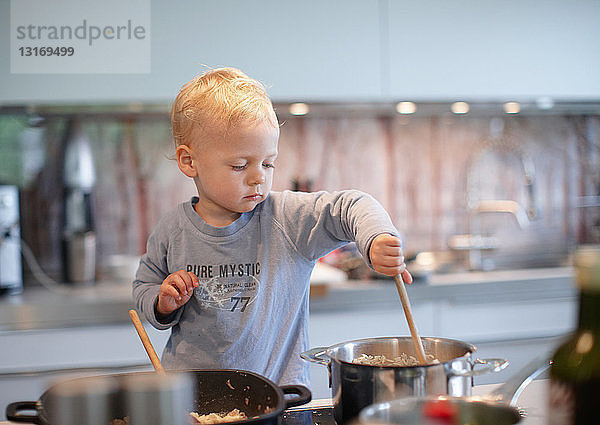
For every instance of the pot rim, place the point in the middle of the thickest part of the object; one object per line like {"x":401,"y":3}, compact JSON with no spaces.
{"x":470,"y":350}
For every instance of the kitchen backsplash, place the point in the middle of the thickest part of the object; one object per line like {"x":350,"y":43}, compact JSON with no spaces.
{"x":522,"y":189}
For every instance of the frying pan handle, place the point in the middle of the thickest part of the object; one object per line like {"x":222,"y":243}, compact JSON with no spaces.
{"x":488,"y":366}
{"x":316,"y":355}
{"x":13,"y":409}
{"x":303,"y":393}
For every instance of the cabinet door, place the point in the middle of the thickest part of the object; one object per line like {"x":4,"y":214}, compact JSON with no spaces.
{"x":494,"y":49}
{"x":496,"y":321}
{"x":309,"y":50}
{"x":76,"y":347}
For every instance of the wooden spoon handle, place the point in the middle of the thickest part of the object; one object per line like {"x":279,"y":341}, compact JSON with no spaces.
{"x":409,"y":318}
{"x":139,"y":327}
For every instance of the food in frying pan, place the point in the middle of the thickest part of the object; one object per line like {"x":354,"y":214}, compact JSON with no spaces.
{"x":218,"y":418}
{"x":196,"y":418}
{"x":402,"y":360}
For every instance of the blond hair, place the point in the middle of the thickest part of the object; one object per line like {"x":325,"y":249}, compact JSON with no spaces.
{"x":224,"y":97}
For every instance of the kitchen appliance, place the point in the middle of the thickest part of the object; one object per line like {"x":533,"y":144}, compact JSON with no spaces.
{"x":132,"y":395}
{"x":11,"y":276}
{"x":78,"y":225}
{"x":355,"y":386}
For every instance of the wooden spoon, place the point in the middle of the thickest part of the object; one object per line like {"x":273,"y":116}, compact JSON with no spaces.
{"x":409,"y":318}
{"x":139,"y":327}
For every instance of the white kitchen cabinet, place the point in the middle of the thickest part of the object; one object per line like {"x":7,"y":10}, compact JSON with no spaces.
{"x":494,"y":321}
{"x":86,"y":346}
{"x":494,"y":50}
{"x":310,"y":50}
{"x":330,"y":328}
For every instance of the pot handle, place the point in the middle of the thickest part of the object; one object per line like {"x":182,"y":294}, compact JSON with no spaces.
{"x":303,"y":393}
{"x":13,"y":409}
{"x":316,"y":355}
{"x":488,"y":366}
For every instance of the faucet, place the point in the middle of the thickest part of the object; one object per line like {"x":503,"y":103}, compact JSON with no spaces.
{"x":503,"y":206}
{"x":475,"y":241}
{"x":479,"y":242}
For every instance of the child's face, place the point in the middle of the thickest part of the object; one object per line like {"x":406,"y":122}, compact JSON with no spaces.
{"x":236,"y":174}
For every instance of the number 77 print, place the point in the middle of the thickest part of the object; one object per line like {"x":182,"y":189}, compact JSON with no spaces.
{"x":239,"y":300}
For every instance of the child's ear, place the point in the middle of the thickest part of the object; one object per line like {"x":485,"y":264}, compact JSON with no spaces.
{"x":185,"y":161}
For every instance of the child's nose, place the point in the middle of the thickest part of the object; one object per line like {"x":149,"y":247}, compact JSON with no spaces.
{"x":258,"y":177}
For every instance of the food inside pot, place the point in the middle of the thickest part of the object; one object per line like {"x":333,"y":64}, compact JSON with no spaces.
{"x":218,"y":418}
{"x":196,"y":418}
{"x":402,"y":360}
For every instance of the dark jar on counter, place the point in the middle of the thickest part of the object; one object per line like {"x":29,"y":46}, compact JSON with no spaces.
{"x":574,"y":393}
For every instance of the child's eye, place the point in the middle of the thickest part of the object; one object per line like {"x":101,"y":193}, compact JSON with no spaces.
{"x":238,"y":167}
{"x":268,"y":165}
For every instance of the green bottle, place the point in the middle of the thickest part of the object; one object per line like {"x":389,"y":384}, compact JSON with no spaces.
{"x":574,"y":392}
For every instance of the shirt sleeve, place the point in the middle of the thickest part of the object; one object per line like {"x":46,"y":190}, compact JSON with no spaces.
{"x":151,"y":272}
{"x":320,"y":222}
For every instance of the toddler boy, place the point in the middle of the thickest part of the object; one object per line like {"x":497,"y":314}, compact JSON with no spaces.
{"x":228,"y":271}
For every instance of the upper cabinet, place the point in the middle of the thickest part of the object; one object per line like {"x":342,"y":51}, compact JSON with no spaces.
{"x":302,"y":50}
{"x":352,"y":50}
{"x":489,"y":50}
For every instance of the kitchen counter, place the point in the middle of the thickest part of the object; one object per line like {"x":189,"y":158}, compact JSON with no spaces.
{"x":456,"y":288}
{"x":40,"y":308}
{"x":108,"y":302}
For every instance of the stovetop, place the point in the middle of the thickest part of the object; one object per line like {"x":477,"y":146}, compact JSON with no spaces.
{"x":316,"y":416}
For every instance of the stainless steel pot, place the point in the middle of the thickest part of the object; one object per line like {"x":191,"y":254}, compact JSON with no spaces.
{"x":355,"y":386}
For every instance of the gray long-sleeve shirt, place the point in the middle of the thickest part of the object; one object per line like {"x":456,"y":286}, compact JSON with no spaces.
{"x":250,"y":310}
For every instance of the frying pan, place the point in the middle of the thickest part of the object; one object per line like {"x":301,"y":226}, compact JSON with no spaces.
{"x":141,"y":396}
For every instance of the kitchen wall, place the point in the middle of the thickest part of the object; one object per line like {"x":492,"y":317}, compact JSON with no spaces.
{"x":424,"y":169}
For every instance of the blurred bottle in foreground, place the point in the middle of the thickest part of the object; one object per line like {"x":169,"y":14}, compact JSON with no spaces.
{"x":574,"y":392}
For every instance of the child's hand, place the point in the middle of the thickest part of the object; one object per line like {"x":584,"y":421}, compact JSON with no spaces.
{"x":386,"y":256}
{"x":175,"y":291}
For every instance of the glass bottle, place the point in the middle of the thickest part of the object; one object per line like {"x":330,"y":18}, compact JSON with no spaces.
{"x":574,"y":392}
